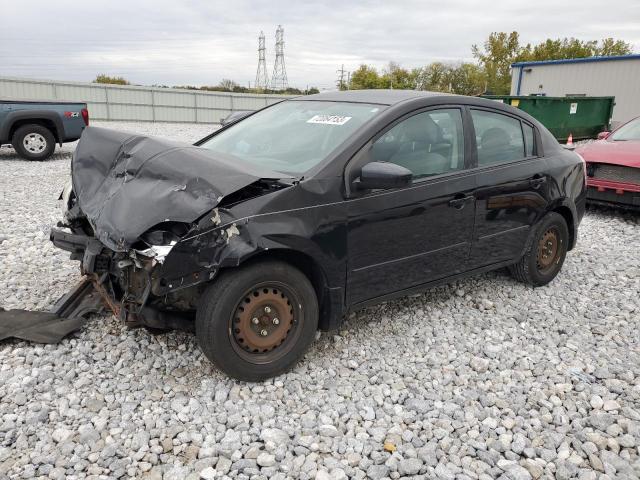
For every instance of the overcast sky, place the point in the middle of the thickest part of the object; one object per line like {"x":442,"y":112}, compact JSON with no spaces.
{"x":199,"y":42}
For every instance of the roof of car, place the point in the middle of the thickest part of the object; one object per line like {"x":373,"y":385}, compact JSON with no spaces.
{"x":382,"y":97}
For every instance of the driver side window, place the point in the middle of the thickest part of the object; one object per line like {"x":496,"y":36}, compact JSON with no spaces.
{"x":428,"y":143}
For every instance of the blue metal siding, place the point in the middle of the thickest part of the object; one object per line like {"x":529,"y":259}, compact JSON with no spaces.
{"x":577,"y":60}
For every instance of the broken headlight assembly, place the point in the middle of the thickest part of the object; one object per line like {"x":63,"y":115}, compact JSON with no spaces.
{"x":160,"y":239}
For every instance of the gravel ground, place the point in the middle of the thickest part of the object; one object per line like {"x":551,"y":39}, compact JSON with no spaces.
{"x":483,"y":378}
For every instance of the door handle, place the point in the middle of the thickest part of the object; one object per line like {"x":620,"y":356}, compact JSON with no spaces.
{"x":537,"y":182}
{"x":460,"y":202}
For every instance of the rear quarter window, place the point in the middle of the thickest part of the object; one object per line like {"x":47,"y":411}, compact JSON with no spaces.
{"x":529,"y":140}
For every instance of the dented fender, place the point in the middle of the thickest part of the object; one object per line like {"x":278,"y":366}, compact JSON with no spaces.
{"x":223,"y":240}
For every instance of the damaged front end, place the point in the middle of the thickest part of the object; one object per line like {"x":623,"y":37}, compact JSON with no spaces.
{"x":147,"y":219}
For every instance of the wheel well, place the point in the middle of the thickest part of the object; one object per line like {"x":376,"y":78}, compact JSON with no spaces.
{"x":309,"y":268}
{"x":568,"y":217}
{"x":35,"y":121}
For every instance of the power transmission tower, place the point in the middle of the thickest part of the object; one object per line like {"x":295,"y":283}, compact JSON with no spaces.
{"x":279,"y":78}
{"x":262,"y":81}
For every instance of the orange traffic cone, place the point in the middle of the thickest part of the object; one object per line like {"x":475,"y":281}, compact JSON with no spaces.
{"x":570,"y":140}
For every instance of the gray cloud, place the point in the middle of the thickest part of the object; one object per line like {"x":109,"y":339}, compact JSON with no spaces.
{"x":200,"y":42}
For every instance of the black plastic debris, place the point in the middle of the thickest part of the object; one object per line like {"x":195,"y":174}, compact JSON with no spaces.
{"x":68,"y":315}
{"x":39,"y":327}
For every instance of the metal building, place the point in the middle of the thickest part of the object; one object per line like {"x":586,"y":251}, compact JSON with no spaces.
{"x":593,"y":76}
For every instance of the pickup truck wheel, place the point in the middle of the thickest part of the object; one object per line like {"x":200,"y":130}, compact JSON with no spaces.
{"x":545,"y":252}
{"x":33,"y":142}
{"x":256,"y":322}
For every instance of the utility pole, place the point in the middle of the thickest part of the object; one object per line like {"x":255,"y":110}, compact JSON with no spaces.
{"x":340,"y":81}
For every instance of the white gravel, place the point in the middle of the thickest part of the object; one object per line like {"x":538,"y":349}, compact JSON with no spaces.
{"x":484,"y":378}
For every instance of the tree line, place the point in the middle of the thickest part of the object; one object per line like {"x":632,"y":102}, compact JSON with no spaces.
{"x":491,"y":73}
{"x":225,"y":85}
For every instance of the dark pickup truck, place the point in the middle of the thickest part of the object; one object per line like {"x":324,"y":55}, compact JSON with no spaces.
{"x":34,"y":127}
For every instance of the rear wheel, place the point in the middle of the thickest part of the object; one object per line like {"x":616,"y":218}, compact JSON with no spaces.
{"x":33,"y":142}
{"x":545,"y":252}
{"x":256,"y":322}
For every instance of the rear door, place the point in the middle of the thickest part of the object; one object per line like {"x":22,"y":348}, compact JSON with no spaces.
{"x":402,"y":238}
{"x":512,"y":186}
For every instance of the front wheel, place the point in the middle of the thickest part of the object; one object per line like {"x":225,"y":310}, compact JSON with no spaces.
{"x":545,"y":252}
{"x":256,"y":322}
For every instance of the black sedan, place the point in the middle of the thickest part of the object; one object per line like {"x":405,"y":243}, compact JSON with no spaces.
{"x":280,"y":223}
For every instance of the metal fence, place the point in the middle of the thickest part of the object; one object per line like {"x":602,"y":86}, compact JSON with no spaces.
{"x":126,"y":102}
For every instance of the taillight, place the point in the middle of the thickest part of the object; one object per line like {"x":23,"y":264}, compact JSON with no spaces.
{"x":85,"y":116}
{"x":584,"y":167}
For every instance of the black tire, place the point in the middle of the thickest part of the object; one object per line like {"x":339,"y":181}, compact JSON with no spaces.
{"x":33,"y":142}
{"x":545,"y":251}
{"x":226,"y":331}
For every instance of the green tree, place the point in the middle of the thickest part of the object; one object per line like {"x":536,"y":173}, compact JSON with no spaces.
{"x":609,"y":46}
{"x":227,"y":85}
{"x":365,"y":77}
{"x":467,"y":79}
{"x":433,"y":77}
{"x":495,"y":57}
{"x":462,"y":79}
{"x":103,"y":78}
{"x":397,"y":77}
{"x":557,"y":49}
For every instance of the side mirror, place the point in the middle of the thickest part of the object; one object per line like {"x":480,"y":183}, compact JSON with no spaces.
{"x":603,"y":135}
{"x":383,"y":175}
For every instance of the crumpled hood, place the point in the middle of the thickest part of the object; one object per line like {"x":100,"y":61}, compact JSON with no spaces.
{"x":626,"y":153}
{"x":127,"y":183}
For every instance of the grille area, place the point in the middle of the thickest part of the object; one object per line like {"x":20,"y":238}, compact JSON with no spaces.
{"x":615,"y":173}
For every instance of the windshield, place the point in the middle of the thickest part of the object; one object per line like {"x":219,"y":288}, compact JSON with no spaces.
{"x":293,"y":136}
{"x":629,"y":131}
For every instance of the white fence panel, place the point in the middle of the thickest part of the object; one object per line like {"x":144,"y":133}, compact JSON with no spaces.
{"x":127,"y":102}
{"x":214,"y":101}
{"x":26,"y":91}
{"x":130,"y":112}
{"x":81,"y":94}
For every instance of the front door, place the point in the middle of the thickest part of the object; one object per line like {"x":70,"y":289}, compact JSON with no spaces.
{"x":398,"y":239}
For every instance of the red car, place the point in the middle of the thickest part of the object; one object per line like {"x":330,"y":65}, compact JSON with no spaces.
{"x":613,"y":166}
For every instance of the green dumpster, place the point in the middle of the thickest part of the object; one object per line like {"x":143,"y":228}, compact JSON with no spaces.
{"x":582,"y":117}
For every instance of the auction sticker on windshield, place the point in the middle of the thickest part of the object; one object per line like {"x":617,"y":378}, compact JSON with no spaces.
{"x":329,"y":119}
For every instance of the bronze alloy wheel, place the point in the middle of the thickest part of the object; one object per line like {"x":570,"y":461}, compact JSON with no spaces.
{"x":549,"y":250}
{"x":265,"y":322}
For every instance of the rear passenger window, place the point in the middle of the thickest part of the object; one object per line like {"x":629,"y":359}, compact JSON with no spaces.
{"x":498,"y":137}
{"x":428,"y":143}
{"x":529,"y":142}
